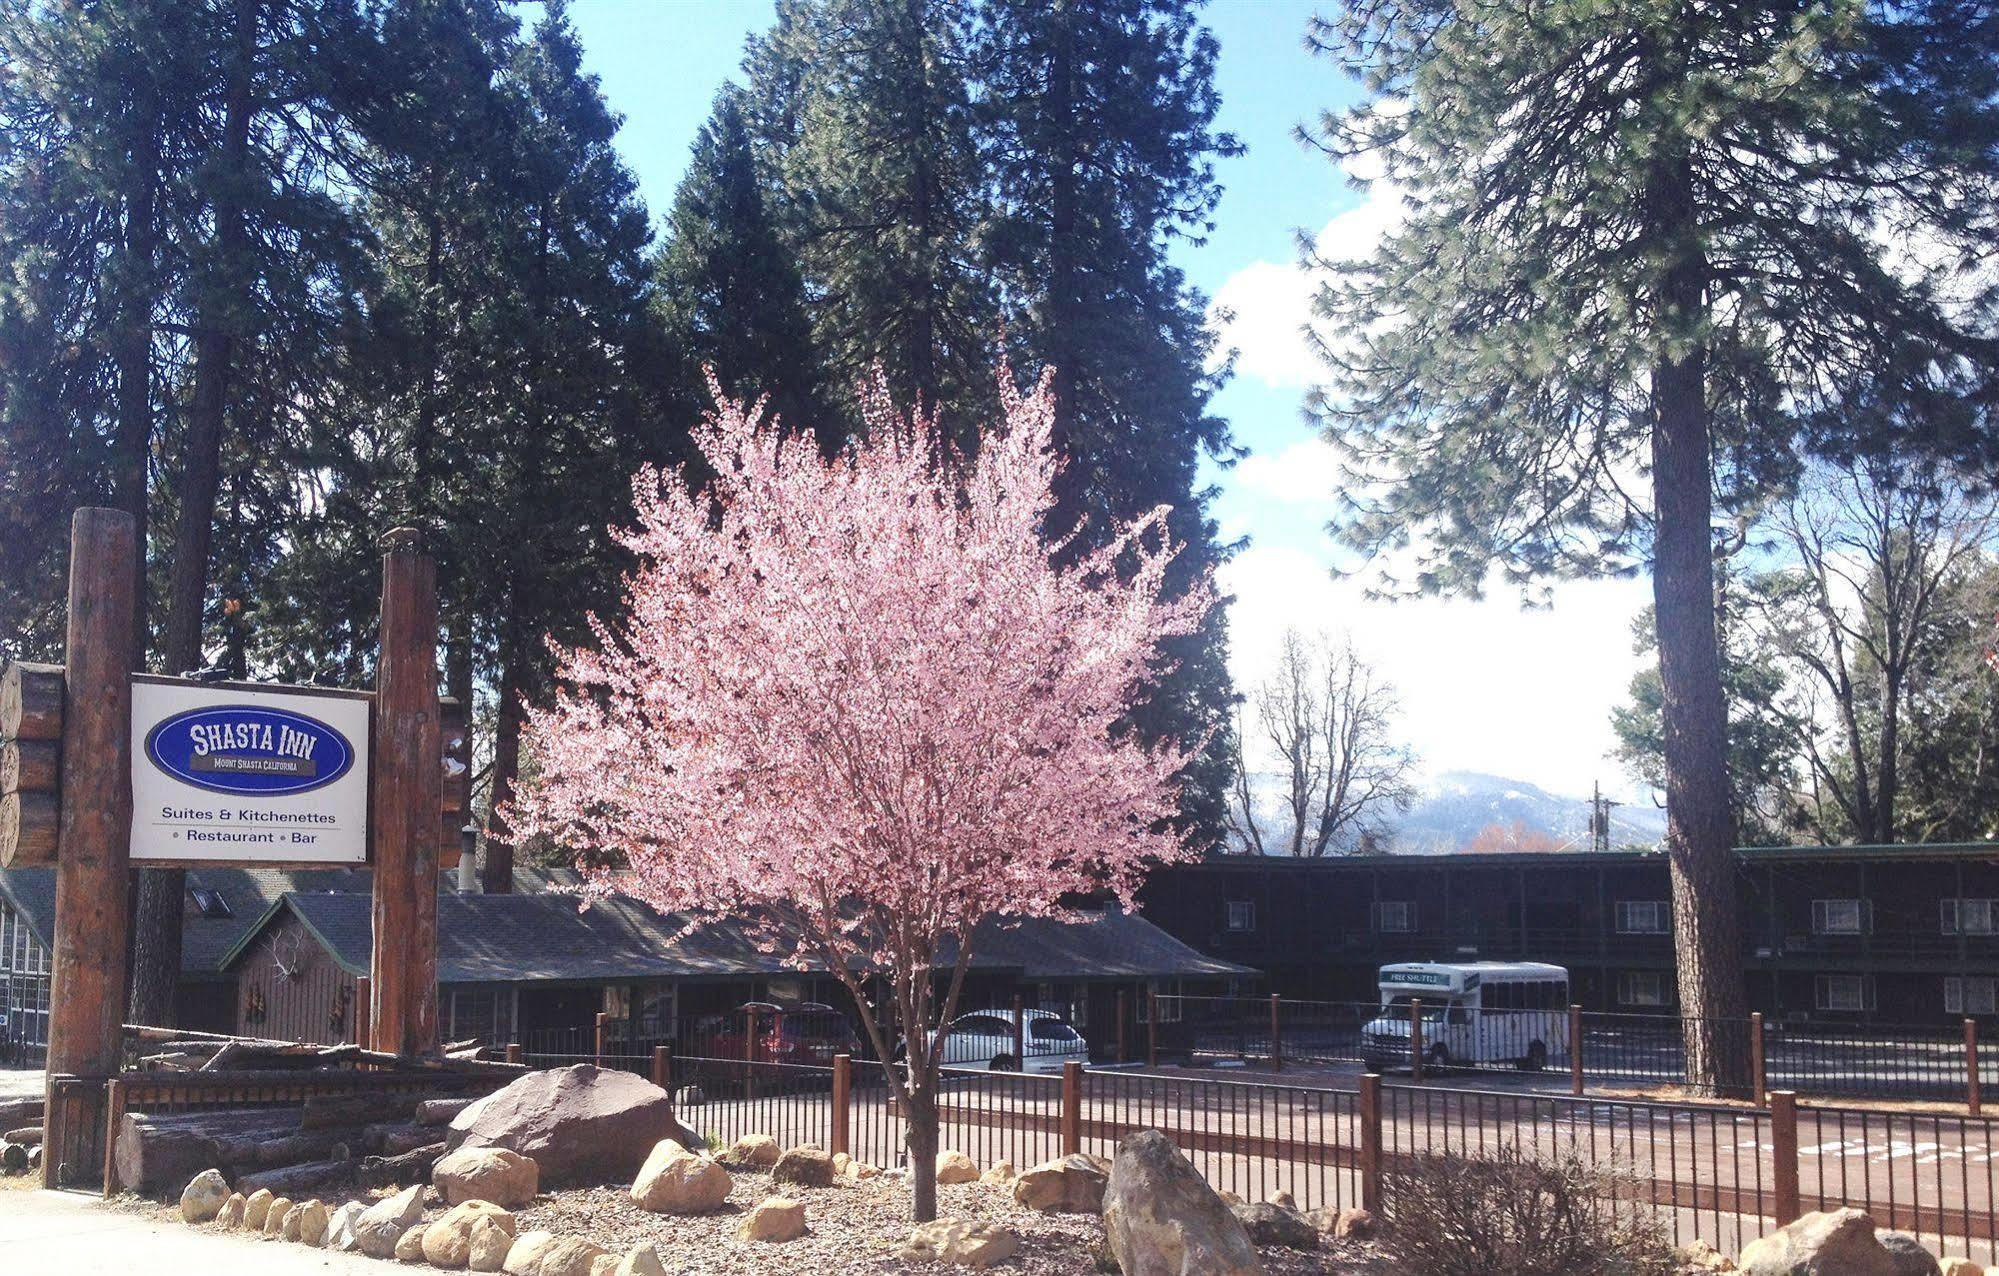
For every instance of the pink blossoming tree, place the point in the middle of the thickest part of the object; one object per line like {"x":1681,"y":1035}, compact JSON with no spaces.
{"x":856,"y":705}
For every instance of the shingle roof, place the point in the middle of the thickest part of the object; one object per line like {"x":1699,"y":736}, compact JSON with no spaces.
{"x":544,"y":937}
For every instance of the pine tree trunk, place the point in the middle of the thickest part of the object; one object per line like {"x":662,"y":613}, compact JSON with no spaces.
{"x":497,"y":874}
{"x":920,"y":1136}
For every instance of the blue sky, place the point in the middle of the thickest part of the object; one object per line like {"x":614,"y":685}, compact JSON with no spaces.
{"x":1484,"y":685}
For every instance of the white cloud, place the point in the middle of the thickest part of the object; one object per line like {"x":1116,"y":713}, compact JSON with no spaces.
{"x":1268,"y":304}
{"x":1484,"y":685}
{"x":1306,"y":472}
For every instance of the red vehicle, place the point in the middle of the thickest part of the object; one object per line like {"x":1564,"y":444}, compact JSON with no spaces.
{"x":808,"y":1032}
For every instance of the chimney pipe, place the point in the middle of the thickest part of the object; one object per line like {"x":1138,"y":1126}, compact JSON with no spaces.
{"x":468,"y":850}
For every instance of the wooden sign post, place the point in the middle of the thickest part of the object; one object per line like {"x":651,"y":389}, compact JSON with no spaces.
{"x":93,"y":925}
{"x":408,"y":791}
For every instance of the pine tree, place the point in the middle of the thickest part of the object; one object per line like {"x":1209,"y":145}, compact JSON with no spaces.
{"x":728,"y":291}
{"x":1098,"y":121}
{"x":1617,"y":220}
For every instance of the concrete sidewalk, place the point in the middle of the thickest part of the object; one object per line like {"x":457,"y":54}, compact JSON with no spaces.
{"x":77,"y":1235}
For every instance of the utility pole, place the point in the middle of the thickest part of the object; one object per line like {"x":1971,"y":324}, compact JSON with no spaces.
{"x":1599,"y":818}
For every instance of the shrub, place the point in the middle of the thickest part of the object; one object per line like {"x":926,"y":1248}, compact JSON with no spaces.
{"x":1503,"y":1210}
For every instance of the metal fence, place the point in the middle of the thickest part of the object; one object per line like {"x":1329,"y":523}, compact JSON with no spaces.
{"x":1597,"y":1049}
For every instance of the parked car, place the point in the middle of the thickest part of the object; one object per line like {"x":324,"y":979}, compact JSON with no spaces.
{"x":808,"y":1032}
{"x":985,"y":1039}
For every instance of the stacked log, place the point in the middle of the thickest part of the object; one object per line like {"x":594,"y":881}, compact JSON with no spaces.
{"x":30,"y":763}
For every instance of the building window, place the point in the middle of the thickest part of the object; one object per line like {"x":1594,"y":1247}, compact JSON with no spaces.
{"x":1641,"y":988}
{"x":209,"y":902}
{"x":1969,"y":995}
{"x":1840,"y":916}
{"x":1395,"y":917}
{"x":1643,"y":917}
{"x":1845,"y":992}
{"x":1166,"y":995}
{"x":1242,"y":915}
{"x":1966,"y":916}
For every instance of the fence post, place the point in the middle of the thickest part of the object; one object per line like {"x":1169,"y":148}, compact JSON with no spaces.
{"x":1019,"y":1036}
{"x":662,"y":1067}
{"x":1276,"y":1035}
{"x":1120,"y":1026}
{"x":1416,"y":1040}
{"x":513,"y":1052}
{"x":603,"y":1020}
{"x":114,"y":1112}
{"x":1575,"y":1049}
{"x":1758,"y":1069}
{"x":750,"y":1055}
{"x":1151,"y":1030}
{"x":843,"y":1111}
{"x":1370,"y":1143}
{"x":1784,"y":1155}
{"x":1072,"y":1108}
{"x":1972,"y":1098}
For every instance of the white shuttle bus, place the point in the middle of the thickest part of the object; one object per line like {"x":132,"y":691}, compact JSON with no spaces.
{"x":1479,"y":1012}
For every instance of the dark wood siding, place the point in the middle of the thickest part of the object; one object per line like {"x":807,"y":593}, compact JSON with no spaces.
{"x":289,"y":987}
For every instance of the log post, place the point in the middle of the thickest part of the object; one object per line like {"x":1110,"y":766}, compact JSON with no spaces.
{"x":1784,"y":1156}
{"x":1120,"y":1027}
{"x":1575,"y":1049}
{"x":1416,"y":1040}
{"x":513,"y":1052}
{"x":843,"y":1100}
{"x":662,"y":1067}
{"x":597,"y":1040}
{"x":93,"y":923}
{"x":1972,"y":1098}
{"x":1758,"y":1068}
{"x":1370,"y":1143}
{"x":406,"y":797}
{"x":1072,"y":1108}
{"x":1152,"y":1029}
{"x":1019,"y":1035}
{"x":1276,"y":1034}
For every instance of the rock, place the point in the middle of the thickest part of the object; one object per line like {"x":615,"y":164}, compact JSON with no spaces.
{"x":382,"y":1224}
{"x":1911,"y":1259}
{"x":203,"y":1197}
{"x":604,"y":1265}
{"x":840,"y":1163}
{"x":490,"y":1243}
{"x":499,"y":1175}
{"x":1270,"y":1224}
{"x":409,"y":1246}
{"x":859,"y":1170}
{"x":805,"y":1165}
{"x":956,"y":1167}
{"x":641,"y":1260}
{"x":1284,"y":1201}
{"x":1230,"y":1198}
{"x":274,"y":1215}
{"x":1002,"y":1173}
{"x":293,"y":1225}
{"x":1350,"y":1224}
{"x":340,"y":1225}
{"x":950,"y":1240}
{"x":689,"y":1096}
{"x":580,"y":1125}
{"x":1699,"y":1256}
{"x":1072,"y":1184}
{"x":312,"y":1220}
{"x":1959,"y":1267}
{"x":232,"y":1211}
{"x":546,"y":1254}
{"x":758,"y":1151}
{"x":1823,"y":1241}
{"x":676,"y":1181}
{"x":448,"y":1243}
{"x":1162,"y":1219}
{"x":256,"y":1207}
{"x":776,"y":1218}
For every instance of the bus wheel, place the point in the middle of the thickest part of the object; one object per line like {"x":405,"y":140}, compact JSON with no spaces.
{"x":1537,"y":1057}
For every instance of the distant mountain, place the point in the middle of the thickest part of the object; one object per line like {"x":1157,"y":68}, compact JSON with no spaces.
{"x":1468,"y":810}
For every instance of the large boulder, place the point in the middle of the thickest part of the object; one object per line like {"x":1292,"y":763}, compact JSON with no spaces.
{"x":500,"y":1175}
{"x":409,"y":1246}
{"x":1072,"y":1184}
{"x":758,"y":1151}
{"x":1273,"y":1224}
{"x":805,"y":1166}
{"x":203,"y":1197}
{"x":546,"y":1254}
{"x":232,"y":1211}
{"x":1162,"y":1219}
{"x":274,"y":1215}
{"x":1826,"y":1243}
{"x":256,"y":1208}
{"x":950,"y":1240}
{"x":581,"y":1125}
{"x":775,"y":1219}
{"x":382,"y":1224}
{"x":448,"y":1242}
{"x":340,"y":1225}
{"x":312,"y":1219}
{"x":641,"y":1260}
{"x":1911,"y":1259}
{"x":956,"y":1167}
{"x":674,"y":1180}
{"x":489,"y":1246}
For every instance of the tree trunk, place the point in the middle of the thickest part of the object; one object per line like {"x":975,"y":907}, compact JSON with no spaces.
{"x":920,"y":1135}
{"x":497,"y":874}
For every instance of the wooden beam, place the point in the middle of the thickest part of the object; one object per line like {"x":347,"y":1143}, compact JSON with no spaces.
{"x":93,"y":926}
{"x":30,"y":829}
{"x":31,"y":701}
{"x":405,"y":805}
{"x":30,"y":766}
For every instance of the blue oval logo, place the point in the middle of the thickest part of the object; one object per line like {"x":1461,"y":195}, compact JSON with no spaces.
{"x":249,"y":750}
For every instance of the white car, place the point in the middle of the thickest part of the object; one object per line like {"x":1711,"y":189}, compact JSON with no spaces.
{"x":985,"y":1039}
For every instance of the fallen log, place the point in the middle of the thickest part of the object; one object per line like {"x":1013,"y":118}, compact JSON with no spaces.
{"x":299,"y":1181}
{"x":31,"y":701}
{"x":394,"y":1139}
{"x":356,"y":1109}
{"x":15,"y":1112}
{"x":434,"y":1112}
{"x":400,"y":1171}
{"x":27,"y":1136}
{"x":157,"y":1152}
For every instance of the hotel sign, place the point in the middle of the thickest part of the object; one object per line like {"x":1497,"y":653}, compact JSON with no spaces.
{"x":248,"y":774}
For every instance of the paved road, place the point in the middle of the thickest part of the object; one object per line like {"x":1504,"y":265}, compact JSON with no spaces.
{"x":79,"y":1236}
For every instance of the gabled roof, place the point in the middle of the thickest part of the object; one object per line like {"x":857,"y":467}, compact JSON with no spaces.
{"x":547,"y":938}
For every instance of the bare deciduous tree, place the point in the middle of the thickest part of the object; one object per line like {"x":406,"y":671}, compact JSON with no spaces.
{"x":1326,"y":720}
